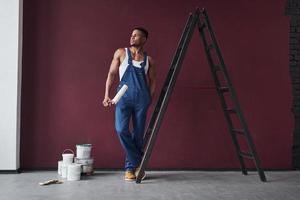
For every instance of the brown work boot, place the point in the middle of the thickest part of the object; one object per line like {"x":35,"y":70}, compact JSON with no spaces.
{"x":137,"y":171}
{"x":129,"y":175}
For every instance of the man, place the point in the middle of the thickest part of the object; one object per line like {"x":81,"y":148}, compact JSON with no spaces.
{"x":137,"y":71}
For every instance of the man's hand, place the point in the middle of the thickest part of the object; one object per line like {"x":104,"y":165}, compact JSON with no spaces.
{"x":107,"y":102}
{"x":113,"y":70}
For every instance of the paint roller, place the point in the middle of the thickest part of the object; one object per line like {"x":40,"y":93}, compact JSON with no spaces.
{"x":119,"y":94}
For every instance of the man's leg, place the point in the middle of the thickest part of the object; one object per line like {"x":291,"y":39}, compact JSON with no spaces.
{"x":139,"y":120}
{"x":123,"y":114}
{"x":128,"y":164}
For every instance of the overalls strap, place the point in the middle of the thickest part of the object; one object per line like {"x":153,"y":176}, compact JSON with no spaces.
{"x":129,"y":56}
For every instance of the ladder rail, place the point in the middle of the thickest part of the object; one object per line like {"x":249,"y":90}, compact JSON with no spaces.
{"x":234,"y":98}
{"x":224,"y":70}
{"x":223,"y":103}
{"x":167,"y":90}
{"x":158,"y":104}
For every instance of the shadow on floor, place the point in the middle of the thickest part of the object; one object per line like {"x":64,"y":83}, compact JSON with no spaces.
{"x":211,"y":177}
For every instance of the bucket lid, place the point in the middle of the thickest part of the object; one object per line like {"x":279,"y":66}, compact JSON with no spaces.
{"x":68,"y":155}
{"x":83,"y":145}
{"x":84,"y":159}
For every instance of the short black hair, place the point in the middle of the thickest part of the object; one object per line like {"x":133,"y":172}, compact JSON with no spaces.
{"x":143,"y":30}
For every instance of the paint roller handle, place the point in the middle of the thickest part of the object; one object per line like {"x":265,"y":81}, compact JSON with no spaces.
{"x":119,"y":94}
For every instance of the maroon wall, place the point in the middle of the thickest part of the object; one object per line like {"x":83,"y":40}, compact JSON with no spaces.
{"x":68,"y":47}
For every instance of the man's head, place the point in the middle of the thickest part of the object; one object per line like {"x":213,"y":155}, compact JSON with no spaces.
{"x":138,"y":37}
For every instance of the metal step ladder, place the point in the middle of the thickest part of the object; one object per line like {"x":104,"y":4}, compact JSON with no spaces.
{"x":224,"y":88}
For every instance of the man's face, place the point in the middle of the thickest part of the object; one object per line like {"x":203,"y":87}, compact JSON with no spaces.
{"x":137,"y":38}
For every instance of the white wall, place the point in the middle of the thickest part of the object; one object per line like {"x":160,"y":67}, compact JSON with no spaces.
{"x":11,"y":12}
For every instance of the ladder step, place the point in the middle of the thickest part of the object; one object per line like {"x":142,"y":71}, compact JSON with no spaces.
{"x":217,"y":68}
{"x":210,"y":46}
{"x":239,"y":131}
{"x":230,"y":110}
{"x":247,"y":155}
{"x":202,"y":26}
{"x":224,"y":89}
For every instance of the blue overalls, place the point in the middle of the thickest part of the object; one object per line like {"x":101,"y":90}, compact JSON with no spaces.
{"x":134,"y":103}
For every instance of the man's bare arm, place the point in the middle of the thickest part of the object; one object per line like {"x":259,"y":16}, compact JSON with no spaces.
{"x":113,"y":70}
{"x":152,"y":76}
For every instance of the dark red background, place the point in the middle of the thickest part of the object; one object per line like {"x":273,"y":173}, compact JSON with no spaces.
{"x":68,"y":47}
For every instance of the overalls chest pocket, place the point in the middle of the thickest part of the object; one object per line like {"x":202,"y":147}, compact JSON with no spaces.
{"x":140,"y":72}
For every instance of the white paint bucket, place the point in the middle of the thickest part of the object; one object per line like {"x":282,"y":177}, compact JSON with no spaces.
{"x":88,"y":161}
{"x":83,"y":151}
{"x":74,"y":172}
{"x":68,"y":157}
{"x":64,"y":170}
{"x":59,"y":167}
{"x":87,"y":169}
{"x":86,"y":164}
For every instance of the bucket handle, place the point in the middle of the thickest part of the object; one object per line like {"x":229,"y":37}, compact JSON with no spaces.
{"x":68,"y":150}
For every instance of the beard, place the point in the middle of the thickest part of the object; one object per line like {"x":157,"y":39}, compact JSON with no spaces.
{"x":134,"y":45}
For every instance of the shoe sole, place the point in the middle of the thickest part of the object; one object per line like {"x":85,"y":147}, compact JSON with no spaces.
{"x":129,"y":180}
